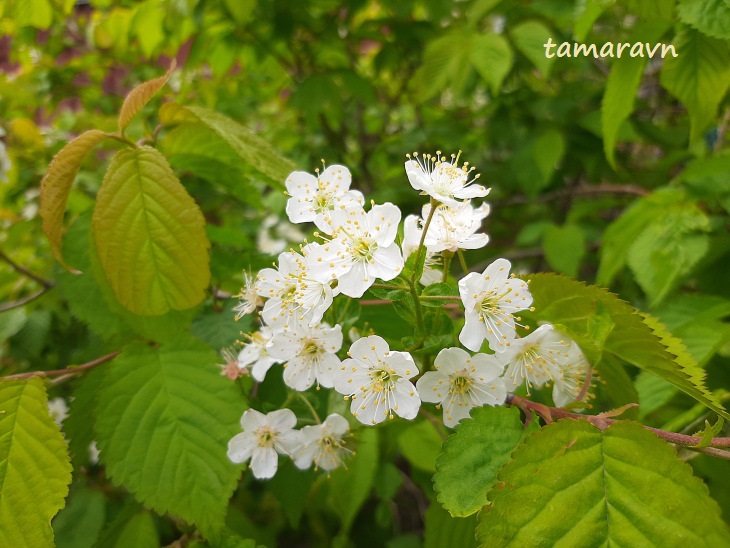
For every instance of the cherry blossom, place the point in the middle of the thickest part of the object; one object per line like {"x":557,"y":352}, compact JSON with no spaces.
{"x":490,"y":299}
{"x":323,"y":444}
{"x":444,"y":181}
{"x":376,"y":380}
{"x":462,"y":382}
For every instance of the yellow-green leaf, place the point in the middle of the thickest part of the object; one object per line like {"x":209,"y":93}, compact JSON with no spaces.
{"x":140,"y":96}
{"x":150,"y":235}
{"x":34,"y":465}
{"x":56,"y":186}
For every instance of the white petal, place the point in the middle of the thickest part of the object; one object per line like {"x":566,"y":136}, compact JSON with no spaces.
{"x":450,"y":360}
{"x":471,"y":191}
{"x":300,"y":183}
{"x":282,"y":419}
{"x":240,"y":447}
{"x":299,"y":374}
{"x":336,"y":179}
{"x":470,"y":286}
{"x":433,"y":387}
{"x":387,"y":263}
{"x":383,"y":220}
{"x":264,"y":462}
{"x":336,"y":424}
{"x":356,"y":281}
{"x":300,"y":210}
{"x":473,"y":333}
{"x":261,"y":367}
{"x":407,"y":399}
{"x":402,"y":363}
{"x":252,"y":419}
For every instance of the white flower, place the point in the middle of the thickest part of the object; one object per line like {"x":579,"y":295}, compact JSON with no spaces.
{"x":93,"y":453}
{"x":362,"y":249}
{"x":58,"y":410}
{"x":535,"y":359}
{"x":250,"y":300}
{"x":314,"y":198}
{"x":411,"y":240}
{"x":255,"y":354}
{"x":276,"y":234}
{"x":454,"y":227}
{"x":231,"y":366}
{"x":262,"y":439}
{"x":310,"y":354}
{"x":572,"y":376}
{"x":462,"y":382}
{"x":490,"y":299}
{"x":376,"y":379}
{"x":322,"y":444}
{"x":292,"y":292}
{"x":442,"y":180}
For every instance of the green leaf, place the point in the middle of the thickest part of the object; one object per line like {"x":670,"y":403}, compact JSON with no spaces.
{"x":241,"y":10}
{"x":141,"y":95}
{"x":133,"y":526}
{"x":420,"y":444}
{"x":348,"y":489}
{"x":711,"y":17}
{"x":443,"y":530}
{"x":618,"y":100}
{"x":150,"y":235}
{"x":699,"y":77}
{"x":587,"y":12}
{"x":196,"y":148}
{"x":78,"y":525}
{"x":492,"y":58}
{"x":668,"y":249}
{"x":574,"y":485}
{"x":11,"y":322}
{"x":292,"y":486}
{"x":179,"y":413}
{"x":530,"y":38}
{"x":564,"y":248}
{"x":653,"y":392}
{"x":635,"y":339}
{"x":536,"y":161}
{"x":56,"y":186}
{"x":445,"y":61}
{"x":148,"y":26}
{"x":629,"y":227}
{"x":652,"y":10}
{"x":82,"y":412}
{"x":438,"y":290}
{"x":477,"y":450}
{"x":34,"y":13}
{"x":34,"y":465}
{"x":251,"y":148}
{"x":710,"y":431}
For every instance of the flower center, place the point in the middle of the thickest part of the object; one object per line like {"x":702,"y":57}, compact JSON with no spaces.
{"x":364,"y":249}
{"x":311,"y":348}
{"x":383,"y":380}
{"x":265,"y":436}
{"x":460,"y":384}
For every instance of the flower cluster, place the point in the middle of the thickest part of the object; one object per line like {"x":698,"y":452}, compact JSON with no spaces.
{"x":356,"y":247}
{"x":265,"y":437}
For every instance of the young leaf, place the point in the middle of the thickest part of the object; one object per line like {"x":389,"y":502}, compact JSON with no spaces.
{"x":574,"y":485}
{"x":529,"y":38}
{"x":150,"y":235}
{"x":635,"y":339}
{"x":492,"y":58}
{"x":164,"y":418}
{"x":477,"y":450}
{"x":251,"y":148}
{"x":699,"y":76}
{"x":140,"y":96}
{"x":34,"y":465}
{"x":56,"y":186}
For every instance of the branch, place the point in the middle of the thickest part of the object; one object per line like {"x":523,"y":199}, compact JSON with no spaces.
{"x":25,"y":300}
{"x":67,"y":371}
{"x":603,"y":421}
{"x":25,"y":272}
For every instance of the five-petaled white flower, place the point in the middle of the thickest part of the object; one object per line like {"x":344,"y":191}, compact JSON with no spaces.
{"x":490,"y":299}
{"x":569,"y":382}
{"x":444,"y":181}
{"x":292,"y":294}
{"x":535,"y":359}
{"x":322,"y":444}
{"x":264,"y":437}
{"x":309,"y":353}
{"x":315,"y":198}
{"x":249,"y":300}
{"x":454,"y":227}
{"x":362,"y":249}
{"x":462,"y":382}
{"x":255,"y":355}
{"x":376,"y":379}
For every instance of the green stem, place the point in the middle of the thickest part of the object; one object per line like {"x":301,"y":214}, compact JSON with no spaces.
{"x":417,"y":308}
{"x":434,"y":204}
{"x":440,"y":297}
{"x":448,"y":255}
{"x":462,"y":260}
{"x":389,"y":286}
{"x":310,"y":407}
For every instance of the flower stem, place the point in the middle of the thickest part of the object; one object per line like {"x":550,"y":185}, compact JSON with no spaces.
{"x":309,"y":405}
{"x":462,"y":260}
{"x":448,"y":255}
{"x":434,"y":204}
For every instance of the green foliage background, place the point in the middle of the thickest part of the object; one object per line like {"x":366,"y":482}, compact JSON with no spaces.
{"x":612,"y":171}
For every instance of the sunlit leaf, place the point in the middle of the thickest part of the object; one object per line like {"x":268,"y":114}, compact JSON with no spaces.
{"x":150,"y":235}
{"x":140,"y":96}
{"x":34,"y":465}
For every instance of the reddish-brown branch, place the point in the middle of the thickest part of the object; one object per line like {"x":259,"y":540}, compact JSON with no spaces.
{"x":67,"y":371}
{"x":603,"y":421}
